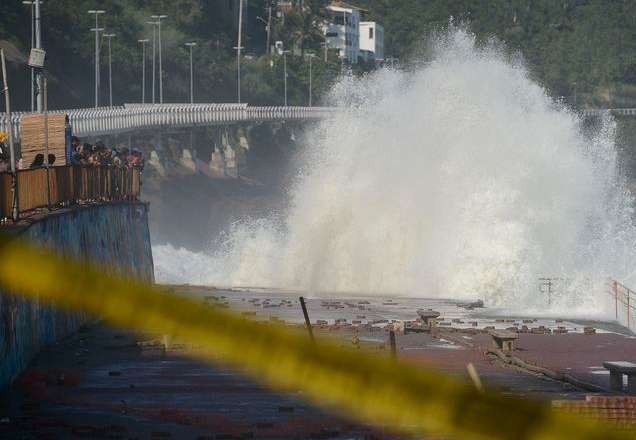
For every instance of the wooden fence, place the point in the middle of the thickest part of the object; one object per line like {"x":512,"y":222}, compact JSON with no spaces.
{"x":67,"y":185}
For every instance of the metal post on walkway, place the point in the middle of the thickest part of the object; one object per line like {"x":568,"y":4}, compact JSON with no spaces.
{"x":7,"y":103}
{"x":393,"y":344}
{"x":306,"y":315}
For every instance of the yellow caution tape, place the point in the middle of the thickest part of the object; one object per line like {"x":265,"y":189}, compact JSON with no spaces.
{"x":370,"y":388}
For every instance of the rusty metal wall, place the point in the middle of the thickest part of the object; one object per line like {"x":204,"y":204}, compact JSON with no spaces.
{"x":115,"y":235}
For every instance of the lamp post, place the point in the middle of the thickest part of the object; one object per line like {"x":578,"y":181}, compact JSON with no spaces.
{"x":143,"y":69}
{"x":191,"y":45}
{"x":268,"y":28}
{"x":311,"y":56}
{"x":158,"y":19}
{"x":238,"y":52}
{"x":154,"y":56}
{"x":285,"y":52}
{"x":32,"y":4}
{"x":97,"y":30}
{"x":7,"y":104}
{"x":110,"y":69}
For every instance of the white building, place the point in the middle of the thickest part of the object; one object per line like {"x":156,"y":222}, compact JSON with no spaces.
{"x":371,"y":41}
{"x":342,"y":31}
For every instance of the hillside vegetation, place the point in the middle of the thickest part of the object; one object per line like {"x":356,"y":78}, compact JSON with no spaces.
{"x":584,"y":50}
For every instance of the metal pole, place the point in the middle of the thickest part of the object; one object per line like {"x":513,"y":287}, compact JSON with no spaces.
{"x":311,"y":57}
{"x":238,"y":52}
{"x":616,"y":297}
{"x":154,"y":54}
{"x":269,"y":29}
{"x":143,"y":70}
{"x":143,"y":73}
{"x":191,"y":45}
{"x":97,"y":73}
{"x":307,"y":321}
{"x":32,"y":69}
{"x":110,"y":69}
{"x":7,"y":103}
{"x":285,"y":74}
{"x":393,"y":344}
{"x":160,"y":66}
{"x":46,"y":143}
{"x":158,"y":19}
{"x":191,"y":79}
{"x":38,"y":45}
{"x":32,"y":4}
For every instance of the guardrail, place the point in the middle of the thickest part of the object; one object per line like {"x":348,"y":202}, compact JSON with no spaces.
{"x":613,"y":111}
{"x":625,"y":304}
{"x":62,"y":186}
{"x":130,"y":117}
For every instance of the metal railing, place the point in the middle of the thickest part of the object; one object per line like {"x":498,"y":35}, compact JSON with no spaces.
{"x":63,"y":186}
{"x":131,"y":117}
{"x":613,"y":111}
{"x":625,"y":304}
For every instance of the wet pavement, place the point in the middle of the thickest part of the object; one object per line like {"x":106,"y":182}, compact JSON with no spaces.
{"x":108,"y":383}
{"x":102,"y":384}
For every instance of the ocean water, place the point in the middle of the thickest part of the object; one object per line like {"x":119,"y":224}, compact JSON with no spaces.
{"x":460,"y":179}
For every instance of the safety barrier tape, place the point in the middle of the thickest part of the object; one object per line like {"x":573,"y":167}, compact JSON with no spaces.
{"x":372,"y":389}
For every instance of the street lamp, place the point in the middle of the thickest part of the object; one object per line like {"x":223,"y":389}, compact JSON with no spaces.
{"x":154,"y":52}
{"x":238,"y":52}
{"x":311,"y":56}
{"x":110,"y":68}
{"x":158,"y":19}
{"x":36,"y":43}
{"x":97,"y":30}
{"x":285,"y":52}
{"x":191,"y":45}
{"x":32,"y":4}
{"x":143,"y":69}
{"x":268,"y":28}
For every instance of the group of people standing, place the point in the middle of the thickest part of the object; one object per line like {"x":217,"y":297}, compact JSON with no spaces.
{"x":98,"y":154}
{"x":85,"y":154}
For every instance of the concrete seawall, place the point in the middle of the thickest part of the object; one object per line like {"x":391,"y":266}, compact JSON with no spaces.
{"x":114,"y":235}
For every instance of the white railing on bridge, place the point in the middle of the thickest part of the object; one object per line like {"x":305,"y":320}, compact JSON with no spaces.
{"x":613,"y":111}
{"x":131,"y":117}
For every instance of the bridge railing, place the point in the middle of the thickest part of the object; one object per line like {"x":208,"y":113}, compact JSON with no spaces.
{"x":612,"y":111}
{"x":624,"y":303}
{"x":110,"y":120}
{"x":63,"y":186}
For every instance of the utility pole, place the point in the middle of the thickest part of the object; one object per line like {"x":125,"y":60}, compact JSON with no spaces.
{"x":269,"y":29}
{"x":158,"y":18}
{"x":238,"y":52}
{"x":38,"y":45}
{"x":97,"y":30}
{"x":344,"y":49}
{"x":191,"y":45}
{"x":311,"y":57}
{"x":7,"y":104}
{"x":154,"y":56}
{"x":285,"y":52}
{"x":267,"y":24}
{"x":143,"y":69}
{"x":110,"y":69}
{"x":32,"y":4}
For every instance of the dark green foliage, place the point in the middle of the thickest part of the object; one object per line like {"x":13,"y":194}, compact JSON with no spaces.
{"x":582,"y":48}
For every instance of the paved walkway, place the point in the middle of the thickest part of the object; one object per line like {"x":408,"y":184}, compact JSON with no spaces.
{"x":101,"y":384}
